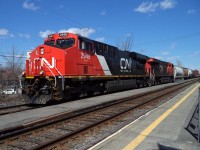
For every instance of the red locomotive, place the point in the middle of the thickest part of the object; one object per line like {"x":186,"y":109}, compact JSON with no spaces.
{"x":68,"y":65}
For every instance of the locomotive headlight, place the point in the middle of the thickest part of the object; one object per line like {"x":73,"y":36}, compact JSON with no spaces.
{"x":41,"y":72}
{"x":42,"y":50}
{"x":23,"y":73}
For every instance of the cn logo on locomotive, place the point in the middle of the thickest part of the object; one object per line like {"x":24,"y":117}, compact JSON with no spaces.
{"x":125,"y":64}
{"x":47,"y":63}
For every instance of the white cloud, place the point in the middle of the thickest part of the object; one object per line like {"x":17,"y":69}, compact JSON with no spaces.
{"x":146,"y":7}
{"x":128,"y":35}
{"x":101,"y":39}
{"x":167,"y":4}
{"x":83,"y":31}
{"x":173,"y":58}
{"x":28,"y":5}
{"x":103,"y":13}
{"x":27,"y":36}
{"x":191,"y":12}
{"x":158,"y":57}
{"x":165,"y":53}
{"x":44,"y":34}
{"x":3,"y":32}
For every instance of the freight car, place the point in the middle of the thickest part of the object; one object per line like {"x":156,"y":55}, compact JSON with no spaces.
{"x":195,"y":73}
{"x":190,"y":74}
{"x":186,"y":73}
{"x":68,"y":65}
{"x":178,"y":73}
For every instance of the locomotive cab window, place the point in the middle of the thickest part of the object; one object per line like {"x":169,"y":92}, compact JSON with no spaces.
{"x":85,"y":45}
{"x":105,"y":48}
{"x":100,"y":49}
{"x":96,"y":47}
{"x":64,"y":43}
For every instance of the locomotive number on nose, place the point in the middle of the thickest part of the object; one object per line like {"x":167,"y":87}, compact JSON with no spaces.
{"x":85,"y":56}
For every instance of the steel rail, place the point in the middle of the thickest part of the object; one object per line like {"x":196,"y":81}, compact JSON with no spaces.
{"x":54,"y":141}
{"x":14,"y":109}
{"x":12,"y":132}
{"x":67,"y":115}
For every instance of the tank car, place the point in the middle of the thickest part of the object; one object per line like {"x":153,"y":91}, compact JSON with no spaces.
{"x":178,"y":73}
{"x":190,"y":73}
{"x":67,"y":65}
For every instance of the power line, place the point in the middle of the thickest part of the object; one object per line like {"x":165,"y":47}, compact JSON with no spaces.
{"x":61,"y":15}
{"x":9,"y":55}
{"x":169,"y":39}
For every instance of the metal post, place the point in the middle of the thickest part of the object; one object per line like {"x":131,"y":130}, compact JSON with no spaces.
{"x":199,"y":117}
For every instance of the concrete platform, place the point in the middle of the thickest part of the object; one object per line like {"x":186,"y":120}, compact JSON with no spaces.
{"x":151,"y":132}
{"x":20,"y":118}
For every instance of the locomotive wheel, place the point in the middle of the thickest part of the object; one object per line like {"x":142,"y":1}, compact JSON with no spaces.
{"x":75,"y":95}
{"x":90,"y":93}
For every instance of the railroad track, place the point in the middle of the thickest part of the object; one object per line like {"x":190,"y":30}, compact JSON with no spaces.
{"x":15,"y":108}
{"x":84,"y":128}
{"x":8,"y":98}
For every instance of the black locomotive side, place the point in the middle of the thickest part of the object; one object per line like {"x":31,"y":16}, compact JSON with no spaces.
{"x":128,"y":67}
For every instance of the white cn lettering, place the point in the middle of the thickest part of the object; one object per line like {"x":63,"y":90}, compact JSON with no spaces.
{"x":47,"y":63}
{"x":125,"y":63}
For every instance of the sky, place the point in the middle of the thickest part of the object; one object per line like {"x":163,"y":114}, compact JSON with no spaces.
{"x":165,"y":29}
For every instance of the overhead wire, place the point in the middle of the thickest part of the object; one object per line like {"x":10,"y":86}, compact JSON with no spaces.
{"x":170,"y":39}
{"x":68,"y":19}
{"x":62,"y":16}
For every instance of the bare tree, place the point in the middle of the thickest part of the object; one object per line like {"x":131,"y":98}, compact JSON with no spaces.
{"x":1,"y":75}
{"x":127,"y":44}
{"x":13,"y":67}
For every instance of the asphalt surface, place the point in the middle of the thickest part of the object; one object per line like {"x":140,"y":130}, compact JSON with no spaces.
{"x":171,"y":133}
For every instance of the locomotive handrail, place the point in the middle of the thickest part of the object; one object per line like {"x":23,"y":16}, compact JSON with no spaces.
{"x":61,"y":76}
{"x":52,"y":74}
{"x":55,"y":76}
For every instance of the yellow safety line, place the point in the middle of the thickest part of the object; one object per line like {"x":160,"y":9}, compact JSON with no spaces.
{"x":152,"y":126}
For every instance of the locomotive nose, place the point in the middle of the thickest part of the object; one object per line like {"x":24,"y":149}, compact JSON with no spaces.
{"x":37,"y":66}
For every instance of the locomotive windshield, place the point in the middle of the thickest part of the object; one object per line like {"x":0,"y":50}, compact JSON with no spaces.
{"x":65,"y":43}
{"x":61,"y":43}
{"x":51,"y":43}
